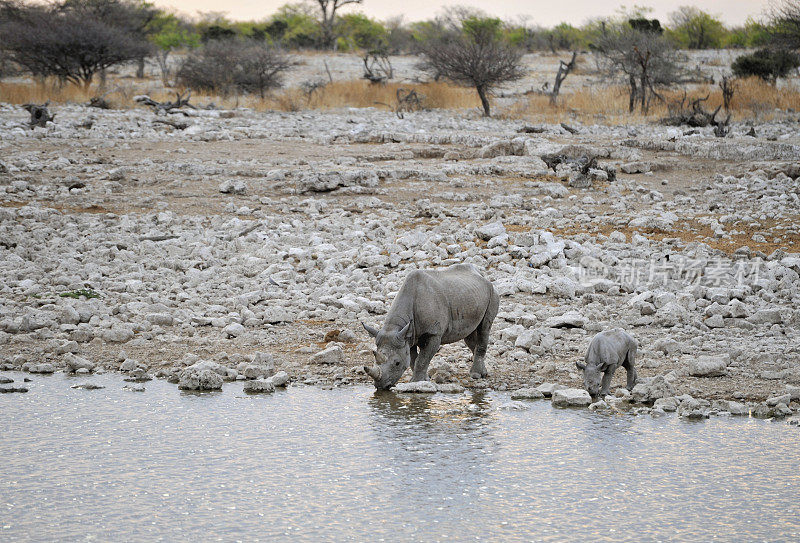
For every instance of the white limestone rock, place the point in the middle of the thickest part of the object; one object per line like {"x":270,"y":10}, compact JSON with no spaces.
{"x":571,"y":397}
{"x":709,"y":366}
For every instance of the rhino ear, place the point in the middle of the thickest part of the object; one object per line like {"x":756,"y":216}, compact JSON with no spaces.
{"x":403,"y":334}
{"x":370,"y":330}
{"x":581,"y":366}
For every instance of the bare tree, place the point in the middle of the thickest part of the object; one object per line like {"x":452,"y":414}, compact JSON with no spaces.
{"x":564,"y":69}
{"x":477,"y":58}
{"x":67,"y":41}
{"x":377,"y":67}
{"x":329,"y":9}
{"x":235,"y":65}
{"x":645,"y":60}
{"x":785,"y":19}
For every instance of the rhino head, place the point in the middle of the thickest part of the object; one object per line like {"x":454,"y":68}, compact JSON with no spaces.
{"x":592,"y":377}
{"x":392,"y":356}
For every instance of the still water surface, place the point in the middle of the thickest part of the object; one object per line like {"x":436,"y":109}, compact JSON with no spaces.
{"x":350,"y":465}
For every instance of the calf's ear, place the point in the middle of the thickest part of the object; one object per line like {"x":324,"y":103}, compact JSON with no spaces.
{"x":370,"y":330}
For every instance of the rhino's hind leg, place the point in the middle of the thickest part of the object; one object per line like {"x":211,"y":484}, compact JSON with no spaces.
{"x":628,"y":365}
{"x":472,"y":341}
{"x":478,"y":370}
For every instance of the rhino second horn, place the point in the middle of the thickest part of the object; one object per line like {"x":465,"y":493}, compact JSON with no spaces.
{"x":401,"y":335}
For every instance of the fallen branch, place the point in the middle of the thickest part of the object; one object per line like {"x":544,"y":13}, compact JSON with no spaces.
{"x":181,"y":101}
{"x":100,"y":101}
{"x":696,"y":116}
{"x":532,"y":130}
{"x":158,"y":237}
{"x":39,"y":114}
{"x":569,"y":128}
{"x":174,"y":124}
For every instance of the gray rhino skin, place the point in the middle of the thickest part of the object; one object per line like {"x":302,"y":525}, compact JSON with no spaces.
{"x":608,"y":351}
{"x":434,"y":308}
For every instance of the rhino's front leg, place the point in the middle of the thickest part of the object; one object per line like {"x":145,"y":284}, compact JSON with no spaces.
{"x":428,"y":347}
{"x":605,"y":386}
{"x":413,"y":353}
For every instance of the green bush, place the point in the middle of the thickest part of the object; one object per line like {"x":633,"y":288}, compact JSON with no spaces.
{"x":768,"y":64}
{"x":357,"y":31}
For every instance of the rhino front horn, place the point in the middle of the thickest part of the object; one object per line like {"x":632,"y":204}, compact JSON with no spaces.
{"x":374,"y":372}
{"x":370,"y":330}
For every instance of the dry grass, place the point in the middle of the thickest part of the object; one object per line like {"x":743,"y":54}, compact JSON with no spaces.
{"x":753,"y":99}
{"x":118,"y":94}
{"x":38,"y":93}
{"x":360,"y":93}
{"x":356,"y":93}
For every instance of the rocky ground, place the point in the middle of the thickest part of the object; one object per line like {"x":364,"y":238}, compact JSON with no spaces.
{"x":247,"y":240}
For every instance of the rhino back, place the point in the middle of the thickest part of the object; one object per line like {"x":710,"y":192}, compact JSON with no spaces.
{"x":451,"y":302}
{"x":609,"y":348}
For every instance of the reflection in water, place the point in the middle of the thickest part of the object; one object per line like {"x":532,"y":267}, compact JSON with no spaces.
{"x":354,"y":465}
{"x":438,"y":447}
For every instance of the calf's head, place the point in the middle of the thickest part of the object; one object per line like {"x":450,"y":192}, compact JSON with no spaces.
{"x":392,"y":356}
{"x":592,"y":377}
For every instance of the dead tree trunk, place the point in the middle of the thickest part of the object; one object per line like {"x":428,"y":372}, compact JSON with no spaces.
{"x":564,"y":69}
{"x":728,"y":87}
{"x":633,"y":91}
{"x":484,"y":100}
{"x":39,"y":114}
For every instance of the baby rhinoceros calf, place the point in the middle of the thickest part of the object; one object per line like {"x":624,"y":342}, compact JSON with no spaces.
{"x":607,"y":351}
{"x":433,"y":308}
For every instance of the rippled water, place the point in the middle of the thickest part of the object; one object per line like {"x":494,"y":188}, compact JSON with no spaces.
{"x":348,"y":464}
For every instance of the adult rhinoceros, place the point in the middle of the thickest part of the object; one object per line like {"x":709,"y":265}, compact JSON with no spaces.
{"x":433,"y":308}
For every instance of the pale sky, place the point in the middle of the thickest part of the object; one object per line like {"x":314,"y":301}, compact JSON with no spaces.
{"x":542,"y":12}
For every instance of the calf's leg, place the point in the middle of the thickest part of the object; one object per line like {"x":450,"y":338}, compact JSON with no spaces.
{"x":608,"y":375}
